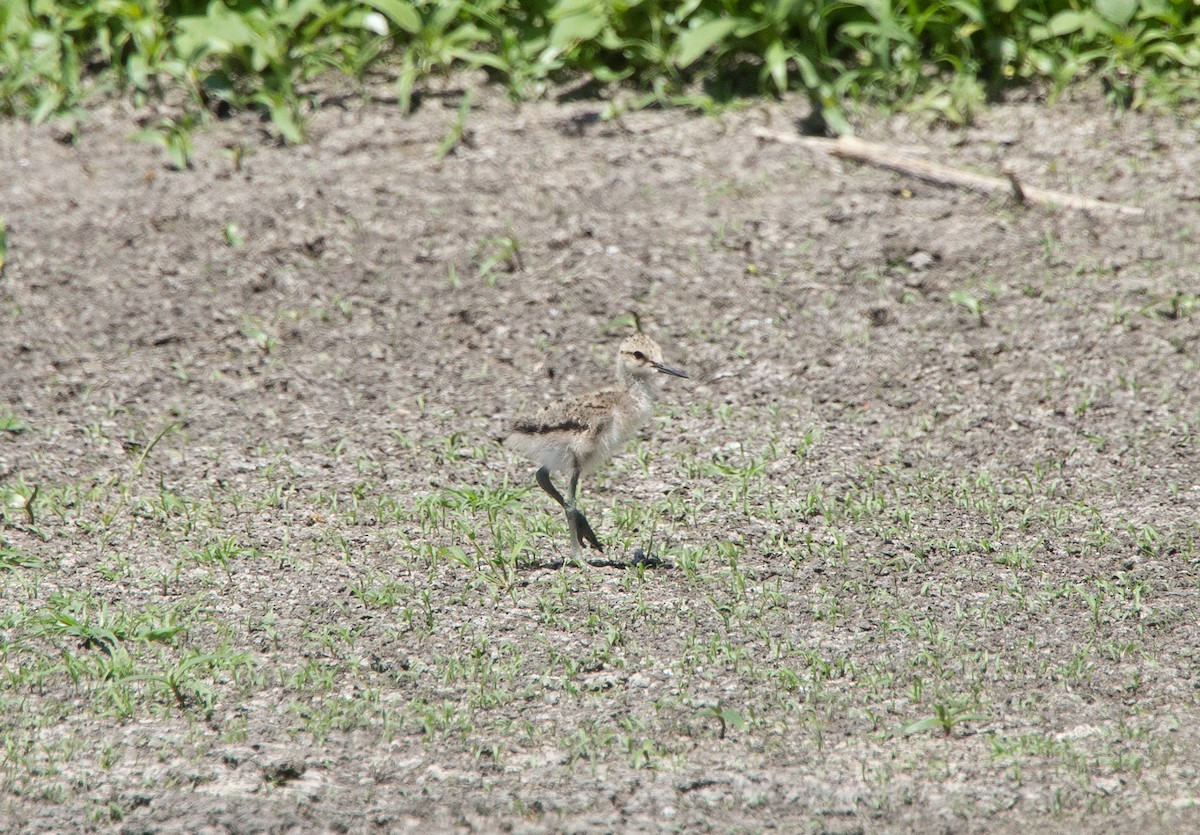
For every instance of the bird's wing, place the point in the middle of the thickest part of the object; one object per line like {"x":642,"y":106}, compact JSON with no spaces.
{"x":585,"y":413}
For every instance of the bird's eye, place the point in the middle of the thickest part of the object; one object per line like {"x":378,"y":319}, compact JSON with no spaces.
{"x":638,"y":355}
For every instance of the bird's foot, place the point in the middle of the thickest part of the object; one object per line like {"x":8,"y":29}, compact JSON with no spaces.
{"x":645,"y":560}
{"x":581,"y":531}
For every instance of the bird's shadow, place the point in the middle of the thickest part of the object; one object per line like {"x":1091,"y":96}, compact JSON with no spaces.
{"x":638,"y":559}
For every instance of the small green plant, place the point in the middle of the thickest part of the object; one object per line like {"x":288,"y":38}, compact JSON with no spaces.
{"x":174,"y":137}
{"x":440,"y":36}
{"x":944,"y":716}
{"x":143,"y":450}
{"x":12,"y":558}
{"x":970,"y":302}
{"x":257,"y":336}
{"x":726,"y":717}
{"x":3,"y":246}
{"x":21,"y":498}
{"x":219,"y":552}
{"x":232,"y":235}
{"x":259,"y":55}
{"x":501,"y":250}
{"x":1086,"y":401}
{"x":805,"y":444}
{"x":1015,"y":557}
{"x":1179,"y":306}
{"x":9,"y":422}
{"x":183,"y":682}
{"x":455,"y":135}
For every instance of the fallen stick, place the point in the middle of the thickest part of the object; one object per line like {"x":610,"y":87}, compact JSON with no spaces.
{"x":850,"y":147}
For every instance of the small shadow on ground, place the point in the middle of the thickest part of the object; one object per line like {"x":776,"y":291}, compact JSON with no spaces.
{"x":637,"y":558}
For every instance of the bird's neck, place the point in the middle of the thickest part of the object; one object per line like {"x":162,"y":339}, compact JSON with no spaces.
{"x":640,"y":388}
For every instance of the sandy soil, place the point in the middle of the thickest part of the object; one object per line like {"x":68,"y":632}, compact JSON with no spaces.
{"x":354,"y":346}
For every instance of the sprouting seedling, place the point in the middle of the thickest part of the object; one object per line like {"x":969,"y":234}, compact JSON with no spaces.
{"x":237,"y":155}
{"x":11,"y":423}
{"x":259,"y":337}
{"x":144,"y":451}
{"x":622,"y":323}
{"x":971,"y":303}
{"x":3,"y":245}
{"x":944,"y":717}
{"x":805,"y":444}
{"x":19,"y":501}
{"x":725,"y":716}
{"x":1179,"y":306}
{"x":173,"y":137}
{"x":503,"y":249}
{"x":457,"y":134}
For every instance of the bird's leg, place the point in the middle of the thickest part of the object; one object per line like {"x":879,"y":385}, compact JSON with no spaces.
{"x":543,"y":480}
{"x":578,"y":522}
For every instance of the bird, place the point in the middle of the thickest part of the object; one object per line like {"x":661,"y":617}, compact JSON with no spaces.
{"x":579,"y":433}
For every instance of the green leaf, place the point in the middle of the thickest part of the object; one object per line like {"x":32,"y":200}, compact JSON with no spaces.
{"x":152,"y":135}
{"x":1065,"y":23}
{"x":568,"y":8}
{"x":297,"y":10}
{"x":1173,"y":51}
{"x":972,"y":304}
{"x":405,"y":84}
{"x":776,"y":58}
{"x":10,"y":423}
{"x":284,"y":118}
{"x":484,"y":59}
{"x":219,"y":31}
{"x":1117,"y":12}
{"x":398,"y":12}
{"x":233,"y":235}
{"x":607,"y":75}
{"x":576,"y":28}
{"x":808,"y":72}
{"x":47,"y":106}
{"x":179,"y":151}
{"x":927,"y":724}
{"x":696,"y":41}
{"x":11,"y":558}
{"x":832,"y":113}
{"x":733,"y":718}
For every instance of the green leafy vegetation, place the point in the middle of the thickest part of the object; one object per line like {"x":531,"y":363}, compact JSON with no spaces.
{"x":945,"y":57}
{"x":9,"y":422}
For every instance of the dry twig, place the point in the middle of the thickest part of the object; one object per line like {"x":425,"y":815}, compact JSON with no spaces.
{"x":873,"y":153}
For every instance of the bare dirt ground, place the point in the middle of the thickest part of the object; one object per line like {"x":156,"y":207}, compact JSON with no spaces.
{"x":939,"y":459}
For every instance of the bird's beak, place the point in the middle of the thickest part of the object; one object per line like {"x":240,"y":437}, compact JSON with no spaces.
{"x":665,"y":370}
